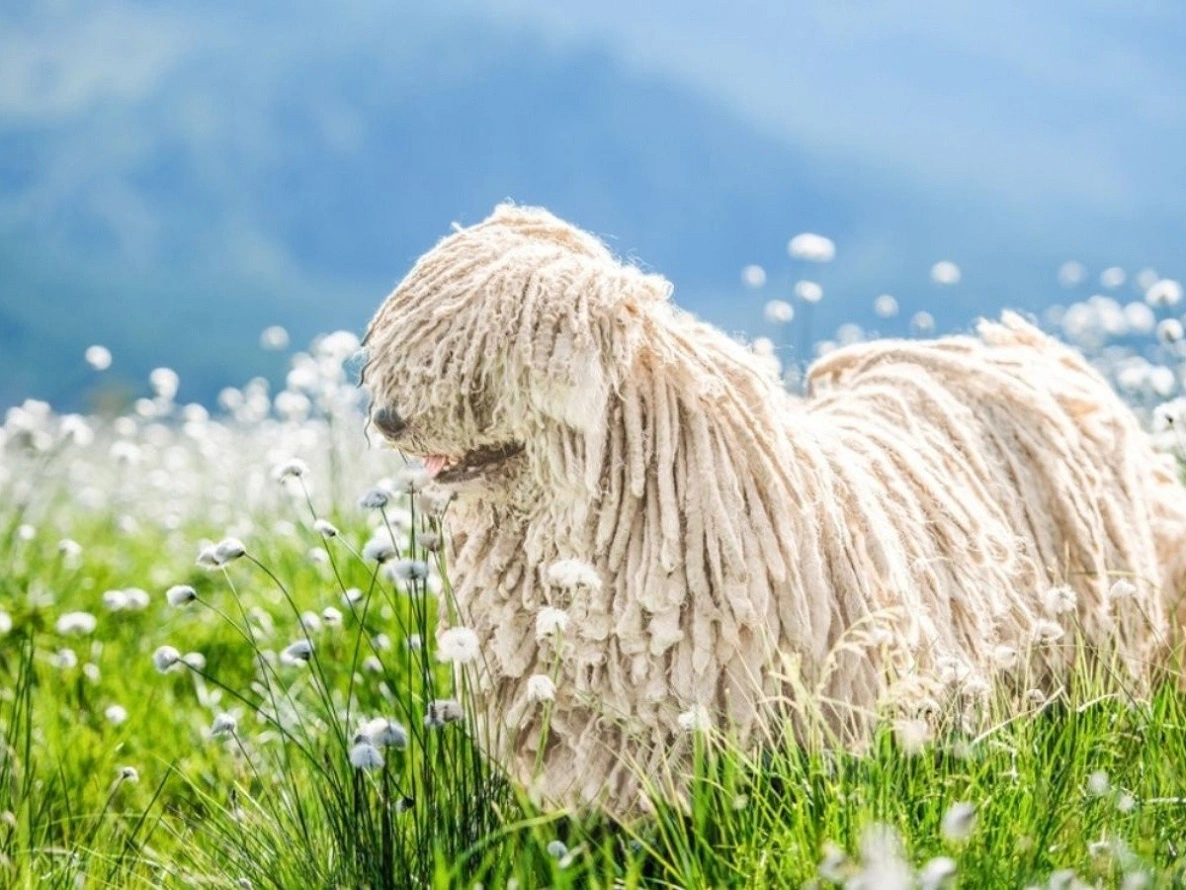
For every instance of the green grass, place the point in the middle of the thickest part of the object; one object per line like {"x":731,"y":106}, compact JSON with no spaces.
{"x":277,"y":804}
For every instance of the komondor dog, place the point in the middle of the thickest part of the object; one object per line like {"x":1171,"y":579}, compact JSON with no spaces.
{"x":650,"y":535}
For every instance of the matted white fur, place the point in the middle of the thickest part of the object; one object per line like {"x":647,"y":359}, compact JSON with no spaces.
{"x":873,"y":547}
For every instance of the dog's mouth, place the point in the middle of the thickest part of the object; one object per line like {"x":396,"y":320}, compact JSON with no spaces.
{"x":474,"y":463}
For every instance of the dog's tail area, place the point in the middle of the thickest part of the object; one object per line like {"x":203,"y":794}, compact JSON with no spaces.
{"x":1157,"y":478}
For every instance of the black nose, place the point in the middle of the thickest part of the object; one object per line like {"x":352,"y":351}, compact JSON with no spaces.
{"x":388,"y":422}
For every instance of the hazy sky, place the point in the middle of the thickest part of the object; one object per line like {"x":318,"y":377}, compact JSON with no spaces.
{"x":1078,"y":102}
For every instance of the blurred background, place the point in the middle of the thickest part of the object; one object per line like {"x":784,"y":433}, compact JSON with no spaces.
{"x":177,"y":177}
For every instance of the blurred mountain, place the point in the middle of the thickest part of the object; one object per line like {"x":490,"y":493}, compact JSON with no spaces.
{"x":174,"y":180}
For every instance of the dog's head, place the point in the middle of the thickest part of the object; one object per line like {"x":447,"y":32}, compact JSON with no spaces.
{"x":502,"y":335}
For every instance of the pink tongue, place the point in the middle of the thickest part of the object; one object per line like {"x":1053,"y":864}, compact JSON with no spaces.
{"x":434,"y":463}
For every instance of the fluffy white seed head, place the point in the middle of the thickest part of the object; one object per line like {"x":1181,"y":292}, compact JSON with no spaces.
{"x":294,"y":468}
{"x":228,"y":550}
{"x":442,"y":711}
{"x":573,"y":574}
{"x":540,"y":687}
{"x":753,"y":276}
{"x":180,"y":595}
{"x":1060,"y":599}
{"x":959,"y":821}
{"x":76,"y":624}
{"x":945,"y":272}
{"x":297,"y":653}
{"x":778,"y":312}
{"x":695,"y":719}
{"x":457,"y":645}
{"x":550,"y":621}
{"x":365,"y":756}
{"x":165,"y":658}
{"x":812,"y":248}
{"x":98,"y":357}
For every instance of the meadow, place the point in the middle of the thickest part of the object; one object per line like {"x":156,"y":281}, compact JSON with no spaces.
{"x":219,"y":668}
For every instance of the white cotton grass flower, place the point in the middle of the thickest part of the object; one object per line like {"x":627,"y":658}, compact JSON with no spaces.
{"x":912,"y":734}
{"x":457,"y":645}
{"x":375,"y":499}
{"x":1060,"y":599}
{"x":1072,"y":273}
{"x":808,"y":291}
{"x":331,"y":616}
{"x":294,"y":468}
{"x":550,"y":621}
{"x":325,"y":528}
{"x":884,"y":865}
{"x":442,"y":711}
{"x":164,"y":382}
{"x":937,"y":874}
{"x":351,"y":596}
{"x":115,"y":714}
{"x":65,"y":659}
{"x":79,"y":624}
{"x":753,"y":276}
{"x":180,"y":595}
{"x":127,"y":774}
{"x":273,"y":338}
{"x":573,"y":574}
{"x":1125,"y":803}
{"x":297,"y":653}
{"x":136,"y":599}
{"x":1169,"y":331}
{"x":811,"y":248}
{"x":5,"y":623}
{"x":959,"y":821}
{"x":194,"y":660}
{"x":383,"y":732}
{"x":946,"y":273}
{"x":1112,"y":277}
{"x":228,"y":550}
{"x":1139,"y":318}
{"x":365,"y":756}
{"x":540,"y":688}
{"x":1047,"y":632}
{"x":885,"y":306}
{"x":69,"y":549}
{"x":695,"y":719}
{"x":115,"y":600}
{"x":372,"y":665}
{"x":165,"y":658}
{"x":1004,"y":658}
{"x":922,"y":323}
{"x":834,"y":865}
{"x":1164,"y":293}
{"x":1099,"y":783}
{"x":778,"y":312}
{"x":98,"y":357}
{"x":410,"y":570}
{"x":224,"y":724}
{"x":310,"y":621}
{"x":1122,"y":590}
{"x":379,"y":548}
{"x":410,"y":480}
